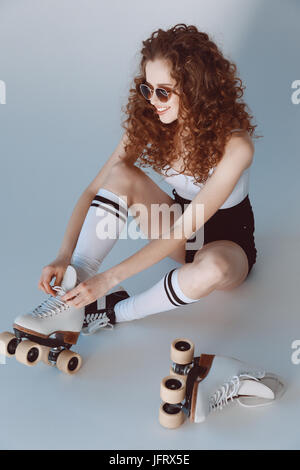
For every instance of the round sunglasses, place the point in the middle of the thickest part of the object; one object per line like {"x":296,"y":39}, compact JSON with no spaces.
{"x":162,"y":94}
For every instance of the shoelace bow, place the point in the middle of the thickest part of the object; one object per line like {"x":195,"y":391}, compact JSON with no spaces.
{"x":227,"y":392}
{"x":52,"y":305}
{"x":97,"y":321}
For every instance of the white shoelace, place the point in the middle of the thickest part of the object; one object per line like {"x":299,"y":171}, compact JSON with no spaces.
{"x":97,"y":321}
{"x":51,"y":306}
{"x":227,"y":391}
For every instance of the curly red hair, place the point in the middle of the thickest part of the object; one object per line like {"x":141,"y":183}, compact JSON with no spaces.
{"x":209,"y":104}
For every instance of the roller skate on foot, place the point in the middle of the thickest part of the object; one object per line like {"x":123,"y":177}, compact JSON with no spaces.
{"x":101,"y":314}
{"x":48,"y":331}
{"x":198,"y":385}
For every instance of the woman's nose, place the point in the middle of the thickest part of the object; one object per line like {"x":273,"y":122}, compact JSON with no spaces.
{"x":154,"y":100}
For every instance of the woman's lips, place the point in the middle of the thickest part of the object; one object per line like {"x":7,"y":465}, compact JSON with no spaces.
{"x":162,"y":112}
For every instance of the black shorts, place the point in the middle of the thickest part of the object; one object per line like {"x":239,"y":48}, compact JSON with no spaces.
{"x":234,"y":223}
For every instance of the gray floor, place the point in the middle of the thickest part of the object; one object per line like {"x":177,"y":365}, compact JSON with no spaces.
{"x":113,"y":401}
{"x":60,"y":125}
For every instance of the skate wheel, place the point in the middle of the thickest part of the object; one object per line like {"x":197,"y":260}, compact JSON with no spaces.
{"x":68,"y":362}
{"x":8,"y":344}
{"x":174,"y":374}
{"x":172,"y":389}
{"x":28,"y":352}
{"x":45,"y":355}
{"x":170,"y":416}
{"x":182,"y":351}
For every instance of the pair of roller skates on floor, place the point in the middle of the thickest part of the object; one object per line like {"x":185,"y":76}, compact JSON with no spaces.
{"x":195,"y":386}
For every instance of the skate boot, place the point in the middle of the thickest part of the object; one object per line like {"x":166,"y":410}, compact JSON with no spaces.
{"x":198,"y":385}
{"x":48,"y":331}
{"x":101,"y":314}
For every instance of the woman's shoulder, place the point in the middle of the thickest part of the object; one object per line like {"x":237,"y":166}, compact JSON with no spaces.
{"x":240,"y":138}
{"x":241,"y":134}
{"x":241,"y":142}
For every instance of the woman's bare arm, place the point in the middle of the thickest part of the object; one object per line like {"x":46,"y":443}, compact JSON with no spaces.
{"x":237,"y":157}
{"x":82,"y":206}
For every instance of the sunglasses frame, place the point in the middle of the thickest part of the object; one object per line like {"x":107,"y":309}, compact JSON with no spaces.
{"x":169,"y":92}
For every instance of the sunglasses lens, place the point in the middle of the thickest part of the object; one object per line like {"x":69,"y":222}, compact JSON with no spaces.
{"x":146,"y":92}
{"x":162,"y":95}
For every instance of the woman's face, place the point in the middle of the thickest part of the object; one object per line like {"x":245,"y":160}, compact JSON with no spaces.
{"x":158,"y":76}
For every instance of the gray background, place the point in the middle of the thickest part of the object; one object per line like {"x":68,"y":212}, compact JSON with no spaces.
{"x":68,"y":66}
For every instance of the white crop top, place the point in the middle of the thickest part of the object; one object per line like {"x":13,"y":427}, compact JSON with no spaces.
{"x":184,"y":186}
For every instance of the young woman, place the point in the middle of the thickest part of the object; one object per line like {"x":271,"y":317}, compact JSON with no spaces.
{"x":186,"y":121}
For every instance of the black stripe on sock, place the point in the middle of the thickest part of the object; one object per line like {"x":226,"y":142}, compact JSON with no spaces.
{"x":168,"y":292}
{"x":111,"y":212}
{"x":112,"y":203}
{"x":168,"y":283}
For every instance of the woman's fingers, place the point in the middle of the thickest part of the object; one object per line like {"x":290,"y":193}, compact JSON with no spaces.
{"x":58,"y":278}
{"x":55,"y":269}
{"x":47,"y":288}
{"x":47,"y":276}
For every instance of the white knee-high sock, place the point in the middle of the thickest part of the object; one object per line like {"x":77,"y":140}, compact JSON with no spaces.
{"x":107,"y":215}
{"x":165,"y":295}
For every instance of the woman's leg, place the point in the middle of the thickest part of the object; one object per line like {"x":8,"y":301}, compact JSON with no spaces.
{"x":125,"y":187}
{"x":108,"y":213}
{"x":219,"y":265}
{"x":139,"y":190}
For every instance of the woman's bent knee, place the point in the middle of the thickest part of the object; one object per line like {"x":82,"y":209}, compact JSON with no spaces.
{"x":213,"y":265}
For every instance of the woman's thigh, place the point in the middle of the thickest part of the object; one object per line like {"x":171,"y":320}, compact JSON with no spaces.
{"x":234,"y":225}
{"x":153,"y":209}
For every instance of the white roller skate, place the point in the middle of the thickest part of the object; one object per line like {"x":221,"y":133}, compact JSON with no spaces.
{"x":198,"y":385}
{"x":48,"y":331}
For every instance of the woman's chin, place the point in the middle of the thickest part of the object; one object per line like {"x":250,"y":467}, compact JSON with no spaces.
{"x":167,"y":119}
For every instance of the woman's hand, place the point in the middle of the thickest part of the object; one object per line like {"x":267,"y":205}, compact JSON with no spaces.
{"x":88,"y":291}
{"x":55,"y":269}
